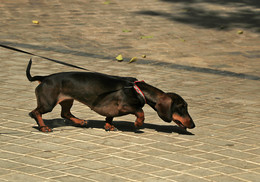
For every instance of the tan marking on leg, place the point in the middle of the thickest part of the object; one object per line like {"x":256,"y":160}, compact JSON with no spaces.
{"x":139,"y":118}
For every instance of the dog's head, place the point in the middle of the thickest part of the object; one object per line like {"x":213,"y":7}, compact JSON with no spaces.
{"x":173,"y":107}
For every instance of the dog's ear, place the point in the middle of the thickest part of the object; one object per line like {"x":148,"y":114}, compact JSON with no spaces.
{"x":163,"y":108}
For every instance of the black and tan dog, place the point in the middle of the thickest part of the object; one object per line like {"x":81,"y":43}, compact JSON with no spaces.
{"x":110,"y":96}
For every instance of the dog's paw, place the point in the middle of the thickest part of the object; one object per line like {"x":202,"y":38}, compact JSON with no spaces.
{"x":79,"y":122}
{"x":110,"y":128}
{"x":45,"y":129}
{"x":84,"y":123}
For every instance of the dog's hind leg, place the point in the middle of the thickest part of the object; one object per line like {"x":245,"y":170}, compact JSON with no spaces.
{"x":46,"y":101}
{"x":38,"y":118}
{"x":65,"y":113}
{"x":37,"y":115}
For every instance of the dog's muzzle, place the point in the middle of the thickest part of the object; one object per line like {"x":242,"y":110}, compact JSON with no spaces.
{"x":183,"y":122}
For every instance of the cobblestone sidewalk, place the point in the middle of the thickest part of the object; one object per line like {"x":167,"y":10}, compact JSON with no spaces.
{"x":208,"y":52}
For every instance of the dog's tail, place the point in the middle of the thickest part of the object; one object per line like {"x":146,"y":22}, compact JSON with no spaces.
{"x":28,"y":74}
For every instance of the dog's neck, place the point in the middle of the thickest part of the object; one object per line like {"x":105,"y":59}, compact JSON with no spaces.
{"x":152,"y":94}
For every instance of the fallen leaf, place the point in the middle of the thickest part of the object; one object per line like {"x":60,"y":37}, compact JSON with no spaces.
{"x":181,"y":39}
{"x":126,"y":31}
{"x":119,"y":58}
{"x":35,"y":22}
{"x":107,"y":2}
{"x":133,"y":60}
{"x":240,"y":32}
{"x":147,"y":37}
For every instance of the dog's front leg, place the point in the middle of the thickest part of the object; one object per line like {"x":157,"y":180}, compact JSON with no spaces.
{"x":109,"y":125}
{"x":139,"y":118}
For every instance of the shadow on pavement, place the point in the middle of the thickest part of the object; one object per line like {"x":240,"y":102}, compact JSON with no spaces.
{"x":123,"y":126}
{"x":227,"y":14}
{"x":150,"y":62}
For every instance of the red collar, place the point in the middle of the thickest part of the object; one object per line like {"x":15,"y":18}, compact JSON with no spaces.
{"x":138,"y":90}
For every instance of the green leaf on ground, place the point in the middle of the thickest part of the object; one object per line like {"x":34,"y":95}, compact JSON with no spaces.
{"x":181,"y":39}
{"x":240,"y":32}
{"x":119,"y":58}
{"x":147,"y":37}
{"x":126,"y":30}
{"x":35,"y":22}
{"x":133,"y":60}
{"x":107,"y":2}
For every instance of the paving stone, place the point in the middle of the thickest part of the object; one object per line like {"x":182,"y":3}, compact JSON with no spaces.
{"x":167,"y":147}
{"x":70,"y":178}
{"x":165,"y":173}
{"x":155,"y":179}
{"x":58,"y":166}
{"x":224,"y":178}
{"x":248,"y":176}
{"x":135,"y":175}
{"x":228,"y":170}
{"x":235,"y":154}
{"x":127,"y":154}
{"x":186,"y":177}
{"x":78,"y":171}
{"x":19,"y":149}
{"x":240,"y":163}
{"x":8,"y":155}
{"x":22,"y":177}
{"x":151,"y":160}
{"x":32,"y":170}
{"x":183,"y":159}
{"x":156,"y":152}
{"x":200,"y":172}
{"x":116,"y":161}
{"x":102,"y":176}
{"x":6,"y":164}
{"x":90,"y":164}
{"x":33,"y":161}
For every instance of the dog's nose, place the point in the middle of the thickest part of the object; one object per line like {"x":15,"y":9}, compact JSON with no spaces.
{"x":192,"y":125}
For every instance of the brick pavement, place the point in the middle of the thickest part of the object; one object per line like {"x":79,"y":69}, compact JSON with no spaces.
{"x":193,"y":49}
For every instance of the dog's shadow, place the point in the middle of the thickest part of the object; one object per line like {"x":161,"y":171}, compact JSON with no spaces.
{"x":124,"y":126}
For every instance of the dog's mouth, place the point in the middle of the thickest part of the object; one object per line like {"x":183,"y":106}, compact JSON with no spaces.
{"x":180,"y":124}
{"x":183,"y":122}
